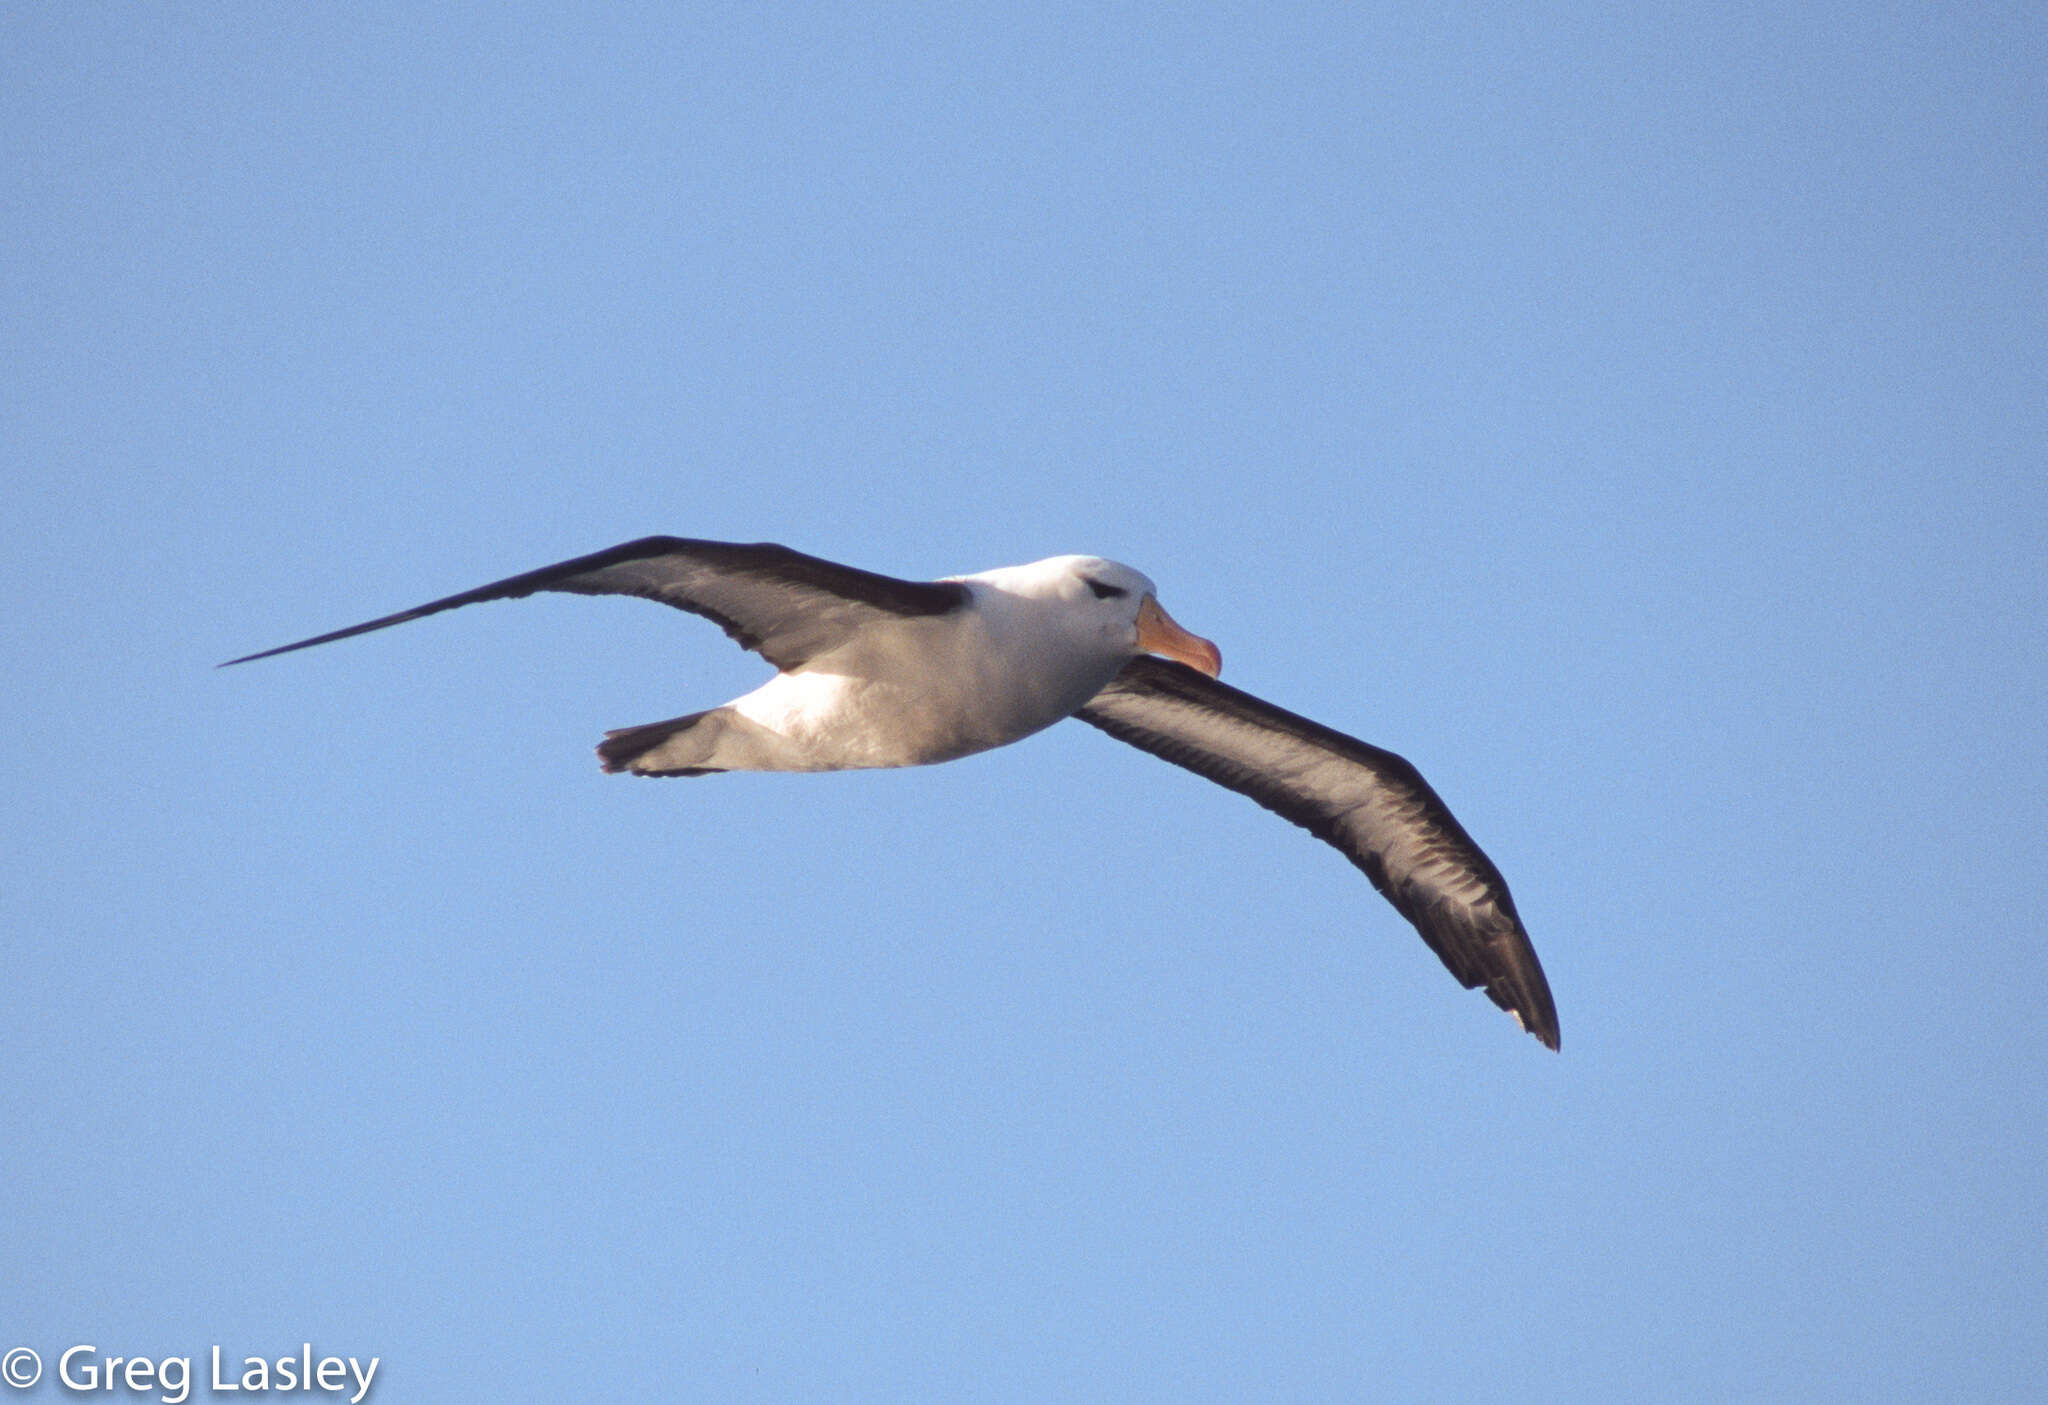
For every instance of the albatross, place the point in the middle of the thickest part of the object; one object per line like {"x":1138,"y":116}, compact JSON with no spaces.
{"x":876,"y":671}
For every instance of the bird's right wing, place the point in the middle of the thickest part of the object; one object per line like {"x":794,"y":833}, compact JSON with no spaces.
{"x":1370,"y":804}
{"x":783,"y":604}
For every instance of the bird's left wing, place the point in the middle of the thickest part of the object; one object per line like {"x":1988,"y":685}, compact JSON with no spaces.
{"x":781,"y":603}
{"x":1372,"y":805}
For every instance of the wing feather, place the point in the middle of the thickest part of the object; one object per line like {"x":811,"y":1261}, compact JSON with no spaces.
{"x":786,"y":606}
{"x":1370,"y":804}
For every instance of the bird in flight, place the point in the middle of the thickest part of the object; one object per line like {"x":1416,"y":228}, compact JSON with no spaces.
{"x":875,"y":671}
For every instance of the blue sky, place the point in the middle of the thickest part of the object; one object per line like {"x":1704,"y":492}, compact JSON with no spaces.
{"x":1636,"y":417}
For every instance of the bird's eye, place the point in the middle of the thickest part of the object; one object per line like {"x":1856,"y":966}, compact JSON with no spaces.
{"x":1103,"y":590}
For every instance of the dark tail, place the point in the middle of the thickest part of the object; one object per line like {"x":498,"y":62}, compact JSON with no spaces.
{"x":620,"y":749}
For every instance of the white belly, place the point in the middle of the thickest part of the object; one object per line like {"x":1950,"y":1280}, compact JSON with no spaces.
{"x":919,"y":693}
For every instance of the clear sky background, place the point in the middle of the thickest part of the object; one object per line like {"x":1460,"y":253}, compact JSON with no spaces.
{"x":1634,"y":415}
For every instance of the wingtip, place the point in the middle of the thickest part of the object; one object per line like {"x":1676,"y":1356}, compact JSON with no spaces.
{"x":1544,"y":1031}
{"x":267,"y":653}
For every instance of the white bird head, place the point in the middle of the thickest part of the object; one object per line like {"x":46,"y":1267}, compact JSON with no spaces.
{"x":1112,"y":601}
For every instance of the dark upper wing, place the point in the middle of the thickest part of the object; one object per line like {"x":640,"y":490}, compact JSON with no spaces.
{"x":1369,"y":803}
{"x":781,"y":603}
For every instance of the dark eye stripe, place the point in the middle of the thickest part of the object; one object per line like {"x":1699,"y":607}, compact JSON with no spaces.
{"x":1104,"y":591}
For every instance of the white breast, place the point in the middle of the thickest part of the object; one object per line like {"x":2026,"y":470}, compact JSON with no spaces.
{"x":913,"y":692}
